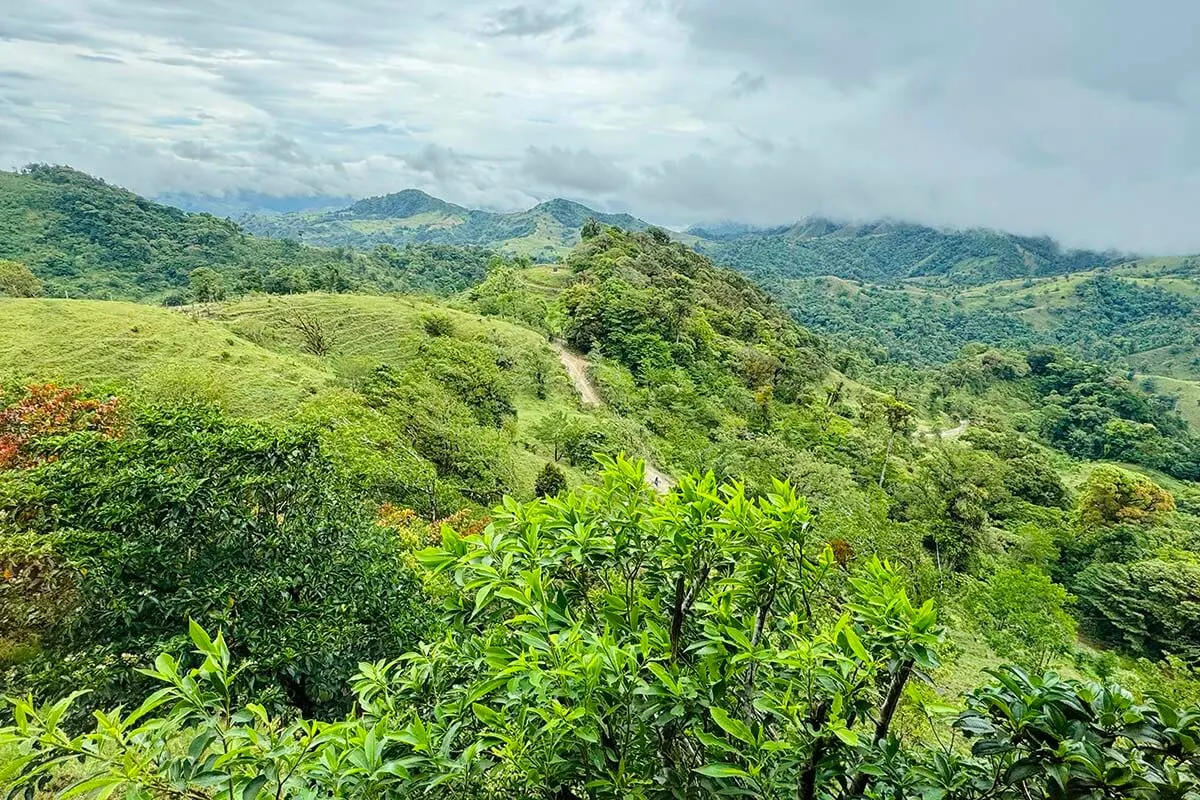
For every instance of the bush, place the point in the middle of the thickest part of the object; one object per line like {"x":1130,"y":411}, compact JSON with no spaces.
{"x":1151,"y":607}
{"x":550,"y":482}
{"x":1022,"y":615}
{"x":241,"y":526}
{"x":608,"y":646}
{"x":438,"y":324}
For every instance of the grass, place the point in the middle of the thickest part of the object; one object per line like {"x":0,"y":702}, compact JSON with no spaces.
{"x":248,"y":356}
{"x":140,"y":349}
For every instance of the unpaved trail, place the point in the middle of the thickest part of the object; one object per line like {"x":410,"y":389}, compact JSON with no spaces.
{"x":947,"y":435}
{"x":957,"y":431}
{"x":577,"y":369}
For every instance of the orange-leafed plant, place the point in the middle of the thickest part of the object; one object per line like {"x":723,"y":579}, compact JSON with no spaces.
{"x":46,"y":410}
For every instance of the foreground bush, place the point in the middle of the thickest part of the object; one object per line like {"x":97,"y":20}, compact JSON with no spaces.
{"x":242,"y":526}
{"x":607,"y":645}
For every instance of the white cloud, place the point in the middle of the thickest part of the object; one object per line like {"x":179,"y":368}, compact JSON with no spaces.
{"x":1079,"y":118}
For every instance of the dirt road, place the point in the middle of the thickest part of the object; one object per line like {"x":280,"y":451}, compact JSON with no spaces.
{"x":577,"y":369}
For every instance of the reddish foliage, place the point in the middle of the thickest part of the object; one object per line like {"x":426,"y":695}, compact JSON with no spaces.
{"x":50,"y":410}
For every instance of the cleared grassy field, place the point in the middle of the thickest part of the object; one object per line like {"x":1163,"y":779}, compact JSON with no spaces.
{"x":142,"y":349}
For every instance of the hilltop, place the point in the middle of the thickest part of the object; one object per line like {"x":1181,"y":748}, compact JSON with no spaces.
{"x":83,"y":237}
{"x":887,"y":251}
{"x":544,"y":232}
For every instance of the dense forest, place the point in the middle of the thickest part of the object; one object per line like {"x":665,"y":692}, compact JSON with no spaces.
{"x":347,"y":541}
{"x":884,"y":252}
{"x":81,"y":237}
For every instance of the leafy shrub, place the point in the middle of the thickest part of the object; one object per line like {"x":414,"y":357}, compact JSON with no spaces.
{"x":438,"y":324}
{"x":550,"y":482}
{"x":17,"y":280}
{"x":1150,"y":607}
{"x":235,"y":524}
{"x":1022,"y":615}
{"x":46,"y":413}
{"x":621,"y":648}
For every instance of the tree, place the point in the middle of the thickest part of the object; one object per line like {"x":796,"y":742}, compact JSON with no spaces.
{"x":16,"y":280}
{"x":898,"y":417}
{"x":248,"y":528}
{"x":603,"y":645}
{"x":205,"y":285}
{"x":1150,"y":607}
{"x":1113,"y":495}
{"x":315,"y":336}
{"x":591,"y":229}
{"x":1022,"y":615}
{"x":550,"y":482}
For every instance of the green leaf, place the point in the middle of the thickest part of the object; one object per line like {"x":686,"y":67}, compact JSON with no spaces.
{"x":846,"y":735}
{"x":722,"y":771}
{"x":89,"y":785}
{"x":735,"y":728}
{"x":254,"y":787}
{"x":200,"y":638}
{"x":855,"y":644}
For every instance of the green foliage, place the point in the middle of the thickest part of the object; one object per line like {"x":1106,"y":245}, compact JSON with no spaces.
{"x":551,"y":482}
{"x":1113,"y":495}
{"x":1023,"y":616}
{"x":242,"y":526}
{"x":16,"y":280}
{"x":1151,"y":607}
{"x":85,"y":238}
{"x":438,"y":325}
{"x":603,"y":645}
{"x":205,"y":285}
{"x":886,"y":251}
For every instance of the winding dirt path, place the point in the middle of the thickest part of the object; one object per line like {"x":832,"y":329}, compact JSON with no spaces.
{"x":577,"y":369}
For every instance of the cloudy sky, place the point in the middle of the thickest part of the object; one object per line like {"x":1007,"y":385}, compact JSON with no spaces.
{"x":1077,"y":118}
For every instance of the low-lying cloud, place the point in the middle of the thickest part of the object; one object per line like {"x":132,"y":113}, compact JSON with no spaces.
{"x":1078,"y":118}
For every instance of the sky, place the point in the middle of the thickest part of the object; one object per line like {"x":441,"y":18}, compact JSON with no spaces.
{"x":1074,"y":118}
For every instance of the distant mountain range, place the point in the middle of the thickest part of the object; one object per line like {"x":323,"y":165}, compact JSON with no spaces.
{"x":543,"y":233}
{"x":880,"y":251}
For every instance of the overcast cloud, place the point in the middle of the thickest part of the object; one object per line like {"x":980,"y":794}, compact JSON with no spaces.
{"x":1077,"y":118}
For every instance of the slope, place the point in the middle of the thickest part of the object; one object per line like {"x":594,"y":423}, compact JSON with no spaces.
{"x":544,"y":232}
{"x":884,"y":252}
{"x":85,"y":238}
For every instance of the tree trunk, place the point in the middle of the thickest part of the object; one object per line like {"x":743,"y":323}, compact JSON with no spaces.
{"x":891,"y":702}
{"x":886,"y":458}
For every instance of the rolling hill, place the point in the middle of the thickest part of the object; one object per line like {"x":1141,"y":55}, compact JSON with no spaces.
{"x":86,"y":238}
{"x":886,"y":252}
{"x":543,"y":233}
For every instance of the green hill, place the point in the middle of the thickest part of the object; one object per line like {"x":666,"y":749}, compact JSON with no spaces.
{"x":883,"y":252}
{"x":544,"y":232}
{"x":83,"y":237}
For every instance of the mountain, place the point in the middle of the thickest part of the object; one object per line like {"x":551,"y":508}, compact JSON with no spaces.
{"x":83,"y":237}
{"x":885,"y":252}
{"x":543,"y":233}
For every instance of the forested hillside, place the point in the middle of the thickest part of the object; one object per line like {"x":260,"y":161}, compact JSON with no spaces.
{"x":359,"y":544}
{"x":81,"y":237}
{"x":886,"y":252}
{"x":544,"y":232}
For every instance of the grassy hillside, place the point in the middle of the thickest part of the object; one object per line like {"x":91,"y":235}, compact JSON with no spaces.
{"x":542,"y":233}
{"x":488,"y":382}
{"x":133,"y":348}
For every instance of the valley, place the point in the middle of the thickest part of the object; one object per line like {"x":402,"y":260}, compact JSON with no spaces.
{"x":519,"y":447}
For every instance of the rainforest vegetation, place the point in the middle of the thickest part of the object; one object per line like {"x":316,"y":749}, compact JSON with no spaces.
{"x":354,"y":540}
